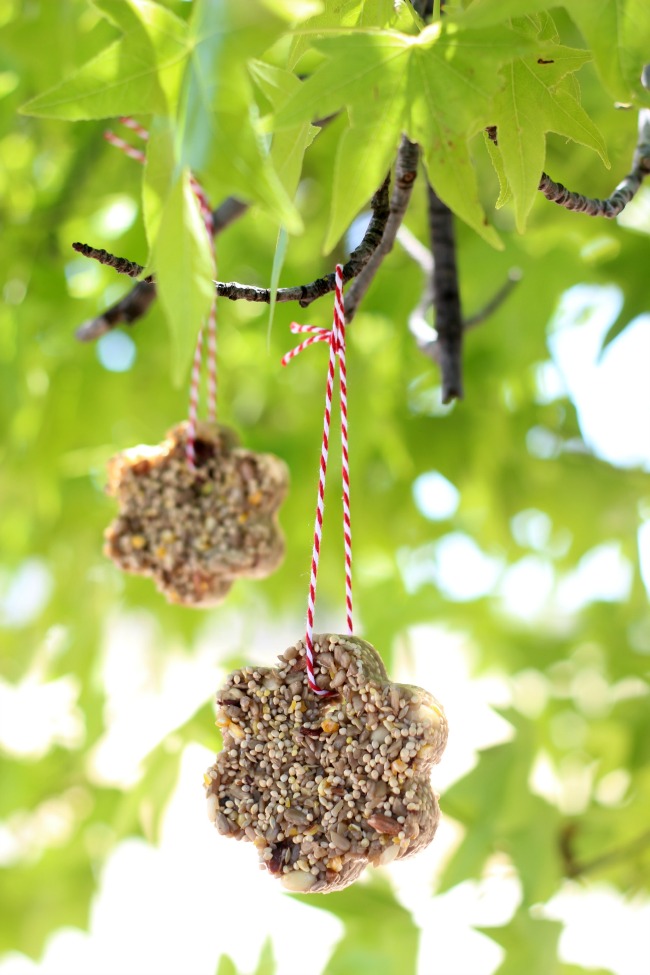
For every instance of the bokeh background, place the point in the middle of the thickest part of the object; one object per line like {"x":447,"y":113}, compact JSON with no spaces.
{"x":502,"y":559}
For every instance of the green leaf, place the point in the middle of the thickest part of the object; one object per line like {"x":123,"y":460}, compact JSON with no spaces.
{"x":138,"y":74}
{"x":381,"y":937}
{"x":289,"y":145}
{"x":217,"y":136}
{"x":266,"y":964}
{"x":531,"y":104}
{"x":451,"y":100}
{"x":530,"y":945}
{"x":159,"y":170}
{"x":226,"y":966}
{"x":287,"y":154}
{"x":505,"y":193}
{"x":278,"y":260}
{"x":184,"y":268}
{"x":615,"y":30}
{"x":430,"y":86}
{"x":362,"y":70}
{"x":500,"y":813}
{"x":345,"y":13}
{"x":364,"y":155}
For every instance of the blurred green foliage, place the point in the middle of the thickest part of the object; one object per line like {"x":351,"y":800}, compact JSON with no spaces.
{"x":66,"y":408}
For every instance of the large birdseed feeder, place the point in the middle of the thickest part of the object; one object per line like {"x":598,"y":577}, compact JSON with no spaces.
{"x":324,"y":786}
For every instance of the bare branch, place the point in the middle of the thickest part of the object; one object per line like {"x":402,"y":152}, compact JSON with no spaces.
{"x":121,"y":264}
{"x":624,"y":192}
{"x":137,"y":301}
{"x":126,"y":311}
{"x":406,"y":170}
{"x":135,"y":304}
{"x":424,"y":333}
{"x":304,"y":294}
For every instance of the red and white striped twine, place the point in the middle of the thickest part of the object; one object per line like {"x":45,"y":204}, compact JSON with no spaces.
{"x":195,"y":380}
{"x":336,"y":339}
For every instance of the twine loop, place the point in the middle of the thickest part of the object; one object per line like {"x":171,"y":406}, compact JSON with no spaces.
{"x":335,"y":337}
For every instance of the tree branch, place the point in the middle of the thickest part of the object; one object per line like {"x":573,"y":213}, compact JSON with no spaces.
{"x":624,"y":192}
{"x":120,"y":264}
{"x":446,"y":298}
{"x":134,"y":304}
{"x":425,"y":334}
{"x":406,"y":170}
{"x":574,"y":868}
{"x":304,"y":294}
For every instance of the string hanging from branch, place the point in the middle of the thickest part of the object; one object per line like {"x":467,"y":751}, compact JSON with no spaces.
{"x":336,"y":339}
{"x":208,"y":219}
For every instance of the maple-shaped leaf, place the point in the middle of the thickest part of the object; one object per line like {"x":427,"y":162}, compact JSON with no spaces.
{"x":437,"y":87}
{"x":343,"y":13}
{"x":138,"y":74}
{"x":194,"y":75}
{"x":500,"y":814}
{"x":365,"y":72}
{"x":617,"y":32}
{"x":454,"y":77}
{"x":530,"y":945}
{"x":539,"y":97}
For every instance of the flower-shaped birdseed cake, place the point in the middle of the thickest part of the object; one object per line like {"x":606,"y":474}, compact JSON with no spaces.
{"x":195,"y":532}
{"x":323,"y":786}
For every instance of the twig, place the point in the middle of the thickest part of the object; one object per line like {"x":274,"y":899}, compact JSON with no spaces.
{"x":624,"y":192}
{"x":425,"y":334}
{"x":573,"y":867}
{"x":121,"y":264}
{"x":304,"y":294}
{"x":406,"y":170}
{"x":446,"y":298}
{"x":136,"y":302}
{"x":514,"y":277}
{"x":125,"y":312}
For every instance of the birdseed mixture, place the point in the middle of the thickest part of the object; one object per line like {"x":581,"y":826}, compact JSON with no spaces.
{"x":323,"y":786}
{"x":196,"y":531}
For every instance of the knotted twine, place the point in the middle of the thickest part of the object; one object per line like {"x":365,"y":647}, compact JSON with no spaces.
{"x":336,"y":339}
{"x":195,"y":379}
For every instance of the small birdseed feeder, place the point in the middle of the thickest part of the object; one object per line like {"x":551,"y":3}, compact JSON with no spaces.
{"x":196,"y":529}
{"x":322,"y":786}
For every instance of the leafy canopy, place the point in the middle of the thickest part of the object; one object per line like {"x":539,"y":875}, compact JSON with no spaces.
{"x":230,"y":91}
{"x":198,"y":81}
